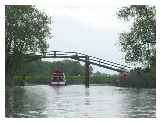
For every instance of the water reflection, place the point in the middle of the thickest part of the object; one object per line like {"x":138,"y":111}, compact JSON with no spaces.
{"x":87,"y":99}
{"x":14,"y":101}
{"x":57,"y":89}
{"x":78,"y":101}
{"x":140,"y":100}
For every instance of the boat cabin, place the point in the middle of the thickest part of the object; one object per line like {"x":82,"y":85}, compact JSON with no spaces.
{"x":58,"y":77}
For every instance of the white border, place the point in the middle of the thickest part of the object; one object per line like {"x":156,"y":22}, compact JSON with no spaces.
{"x":74,"y":3}
{"x":2,"y":61}
{"x":157,"y":61}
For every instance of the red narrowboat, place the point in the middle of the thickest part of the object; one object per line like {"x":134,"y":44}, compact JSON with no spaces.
{"x":58,"y":78}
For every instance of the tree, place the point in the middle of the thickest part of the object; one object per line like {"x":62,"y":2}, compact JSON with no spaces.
{"x":70,"y":68}
{"x":26,"y":31}
{"x":139,"y":43}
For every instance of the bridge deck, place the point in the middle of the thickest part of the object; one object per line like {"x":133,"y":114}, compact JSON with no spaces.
{"x":82,"y":57}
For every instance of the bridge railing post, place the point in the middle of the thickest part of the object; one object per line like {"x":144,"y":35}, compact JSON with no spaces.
{"x":54,"y":53}
{"x":87,"y":71}
{"x":99,"y":61}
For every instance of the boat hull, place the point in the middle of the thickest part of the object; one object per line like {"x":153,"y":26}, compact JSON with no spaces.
{"x":62,"y":83}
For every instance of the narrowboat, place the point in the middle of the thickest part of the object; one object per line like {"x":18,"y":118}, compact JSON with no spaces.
{"x":58,"y":78}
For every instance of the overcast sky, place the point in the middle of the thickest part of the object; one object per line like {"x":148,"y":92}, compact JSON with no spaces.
{"x":90,"y":30}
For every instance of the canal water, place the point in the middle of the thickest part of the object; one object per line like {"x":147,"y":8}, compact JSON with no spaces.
{"x":78,"y":101}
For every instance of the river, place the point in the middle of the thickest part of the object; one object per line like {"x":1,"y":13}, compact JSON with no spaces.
{"x":77,"y":101}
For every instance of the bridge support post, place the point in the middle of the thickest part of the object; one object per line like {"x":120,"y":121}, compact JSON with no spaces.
{"x":87,"y":72}
{"x":54,"y":53}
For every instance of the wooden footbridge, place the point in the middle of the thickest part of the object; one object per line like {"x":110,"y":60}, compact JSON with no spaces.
{"x":84,"y":58}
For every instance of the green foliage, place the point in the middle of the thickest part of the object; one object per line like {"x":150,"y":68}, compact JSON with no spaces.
{"x":41,"y":71}
{"x":26,"y":31}
{"x":140,"y":78}
{"x":75,"y":79}
{"x":99,"y":78}
{"x":139,"y":42}
{"x":72,"y":68}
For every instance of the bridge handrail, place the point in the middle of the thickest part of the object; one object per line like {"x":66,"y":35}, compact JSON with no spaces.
{"x":107,"y":64}
{"x":105,"y":60}
{"x":92,"y":59}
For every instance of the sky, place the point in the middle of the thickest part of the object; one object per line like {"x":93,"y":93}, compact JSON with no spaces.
{"x":90,"y":30}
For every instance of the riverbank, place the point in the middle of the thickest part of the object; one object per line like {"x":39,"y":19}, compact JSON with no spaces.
{"x":40,"y":72}
{"x":134,"y":80}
